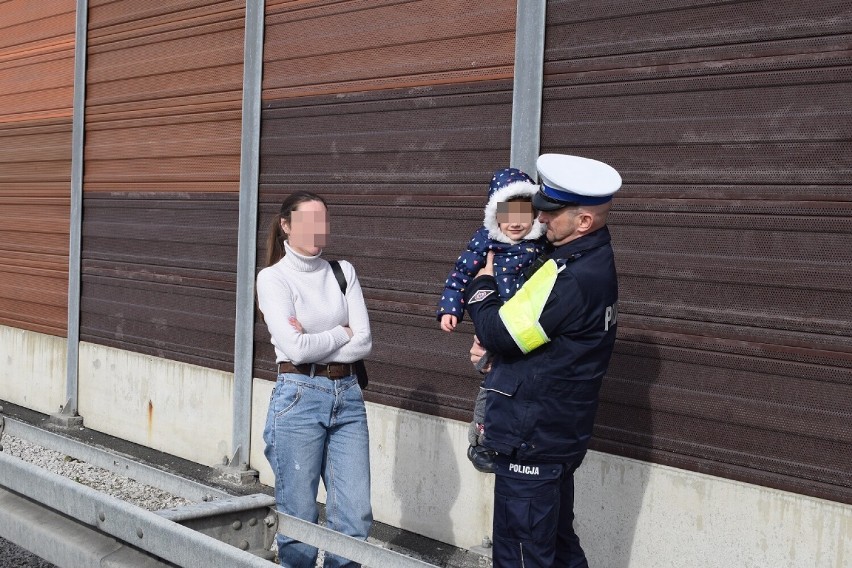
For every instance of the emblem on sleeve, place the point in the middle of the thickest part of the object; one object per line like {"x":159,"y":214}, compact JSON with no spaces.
{"x":479,"y":296}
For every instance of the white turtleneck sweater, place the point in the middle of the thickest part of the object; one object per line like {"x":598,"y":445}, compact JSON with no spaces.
{"x":305,"y":287}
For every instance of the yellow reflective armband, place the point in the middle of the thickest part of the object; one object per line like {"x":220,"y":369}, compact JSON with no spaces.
{"x":521,"y":313}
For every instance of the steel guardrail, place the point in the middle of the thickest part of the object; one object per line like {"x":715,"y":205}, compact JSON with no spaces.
{"x":156,"y":532}
{"x":139,"y":528}
{"x":113,"y":461}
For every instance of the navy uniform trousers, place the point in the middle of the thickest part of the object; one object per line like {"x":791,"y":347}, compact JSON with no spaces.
{"x":534,"y":516}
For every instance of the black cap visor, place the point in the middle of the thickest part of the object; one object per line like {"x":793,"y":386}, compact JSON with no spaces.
{"x":543,"y":202}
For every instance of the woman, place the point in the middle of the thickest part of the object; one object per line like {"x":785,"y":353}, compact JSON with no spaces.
{"x":316,"y":426}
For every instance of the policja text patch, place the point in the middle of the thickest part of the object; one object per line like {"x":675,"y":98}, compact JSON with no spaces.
{"x":529,"y":470}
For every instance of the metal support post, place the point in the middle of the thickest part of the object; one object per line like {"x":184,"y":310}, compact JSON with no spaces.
{"x":529,"y":82}
{"x":237,"y":470}
{"x":68,"y":417}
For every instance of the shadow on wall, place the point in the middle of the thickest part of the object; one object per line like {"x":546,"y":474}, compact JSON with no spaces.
{"x":611,"y":492}
{"x":426,"y":479}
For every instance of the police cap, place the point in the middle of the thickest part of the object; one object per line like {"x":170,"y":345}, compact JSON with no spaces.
{"x":571,"y":180}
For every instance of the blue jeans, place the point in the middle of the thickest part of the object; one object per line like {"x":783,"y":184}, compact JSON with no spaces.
{"x":317,"y":427}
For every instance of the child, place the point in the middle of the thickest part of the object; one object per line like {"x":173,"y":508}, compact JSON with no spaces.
{"x":517,"y":238}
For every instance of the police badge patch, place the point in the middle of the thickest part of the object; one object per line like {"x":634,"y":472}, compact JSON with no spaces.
{"x":479,"y":296}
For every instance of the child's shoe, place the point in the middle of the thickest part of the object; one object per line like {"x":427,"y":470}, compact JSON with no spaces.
{"x":482,"y":458}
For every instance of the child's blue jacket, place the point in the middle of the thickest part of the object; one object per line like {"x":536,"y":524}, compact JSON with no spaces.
{"x":510,"y":260}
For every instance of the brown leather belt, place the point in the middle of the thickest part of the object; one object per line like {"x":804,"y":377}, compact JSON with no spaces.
{"x":329,"y":370}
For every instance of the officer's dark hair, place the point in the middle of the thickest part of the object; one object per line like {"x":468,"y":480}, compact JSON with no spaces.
{"x":275,"y":237}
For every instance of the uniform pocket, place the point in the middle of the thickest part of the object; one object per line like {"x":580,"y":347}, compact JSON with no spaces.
{"x":503,"y":381}
{"x":564,"y":414}
{"x":530,"y":514}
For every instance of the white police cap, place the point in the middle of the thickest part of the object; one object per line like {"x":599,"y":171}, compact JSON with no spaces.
{"x":571,"y":180}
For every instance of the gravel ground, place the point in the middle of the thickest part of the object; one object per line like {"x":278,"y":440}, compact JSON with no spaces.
{"x":97,"y":478}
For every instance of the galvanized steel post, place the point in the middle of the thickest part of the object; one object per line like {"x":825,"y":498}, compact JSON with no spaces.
{"x":529,"y":81}
{"x":69,"y":416}
{"x":247,"y":239}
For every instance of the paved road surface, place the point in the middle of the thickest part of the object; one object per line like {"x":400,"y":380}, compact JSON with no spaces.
{"x":12,"y":556}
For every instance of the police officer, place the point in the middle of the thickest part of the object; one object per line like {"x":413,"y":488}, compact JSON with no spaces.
{"x":552,"y":343}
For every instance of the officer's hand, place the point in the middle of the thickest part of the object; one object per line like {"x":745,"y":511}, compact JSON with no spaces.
{"x":488,"y":269}
{"x":477,"y":351}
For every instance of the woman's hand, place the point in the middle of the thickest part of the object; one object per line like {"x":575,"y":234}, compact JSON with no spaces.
{"x":298,"y":327}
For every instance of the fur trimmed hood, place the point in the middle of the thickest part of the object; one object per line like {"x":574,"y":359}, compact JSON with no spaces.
{"x":505,"y":193}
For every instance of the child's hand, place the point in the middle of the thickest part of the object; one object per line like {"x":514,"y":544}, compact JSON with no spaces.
{"x":448,"y":322}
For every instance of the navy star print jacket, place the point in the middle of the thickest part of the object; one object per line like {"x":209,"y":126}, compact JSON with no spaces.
{"x":510,"y":260}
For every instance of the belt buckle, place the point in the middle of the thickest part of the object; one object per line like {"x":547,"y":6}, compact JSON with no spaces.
{"x":316,"y":369}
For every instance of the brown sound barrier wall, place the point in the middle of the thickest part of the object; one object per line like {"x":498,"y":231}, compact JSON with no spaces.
{"x":36,"y":98}
{"x":406,"y":186}
{"x":731,"y":126}
{"x":161,"y":182}
{"x":397,"y":113}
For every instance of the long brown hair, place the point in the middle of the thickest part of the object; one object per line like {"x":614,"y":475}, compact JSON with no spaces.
{"x":275,"y":237}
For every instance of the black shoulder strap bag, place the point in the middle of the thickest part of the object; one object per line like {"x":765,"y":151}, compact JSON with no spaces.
{"x":360,"y":368}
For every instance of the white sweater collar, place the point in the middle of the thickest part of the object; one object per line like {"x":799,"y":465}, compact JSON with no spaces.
{"x":300,"y":262}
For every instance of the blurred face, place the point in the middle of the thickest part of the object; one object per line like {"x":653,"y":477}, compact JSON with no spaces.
{"x":308,"y":229}
{"x":515,"y":218}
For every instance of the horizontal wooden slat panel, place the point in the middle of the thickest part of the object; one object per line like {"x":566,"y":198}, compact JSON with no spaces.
{"x":32,"y":316}
{"x":163,"y":98}
{"x":163,"y":119}
{"x":17,"y":147}
{"x":319,"y":47}
{"x":159,"y":275}
{"x":669,"y":31}
{"x":37,"y":248}
{"x":36,"y":92}
{"x":120,"y":19}
{"x":730,"y":124}
{"x":33,"y":287}
{"x":36,"y":60}
{"x":31,"y":90}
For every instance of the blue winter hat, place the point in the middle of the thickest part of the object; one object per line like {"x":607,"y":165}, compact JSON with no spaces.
{"x":506,"y":176}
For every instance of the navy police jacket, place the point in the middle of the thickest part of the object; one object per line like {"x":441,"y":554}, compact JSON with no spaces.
{"x":552,"y":343}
